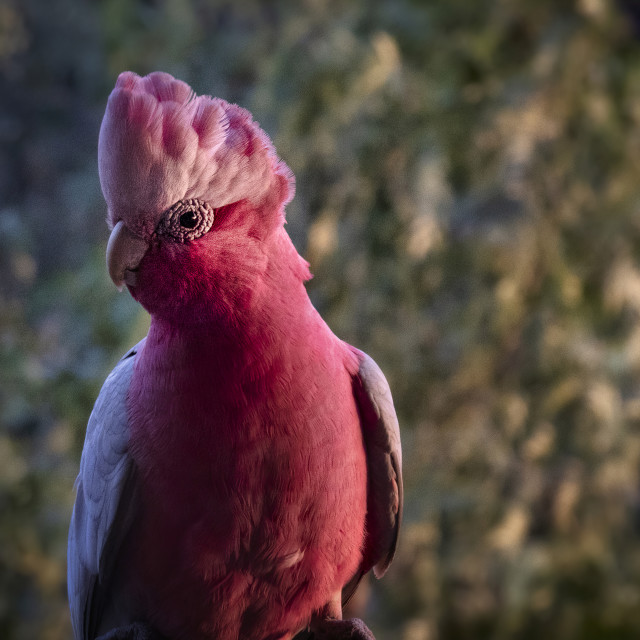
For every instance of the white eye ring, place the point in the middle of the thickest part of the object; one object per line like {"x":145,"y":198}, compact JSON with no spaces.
{"x":186,"y":220}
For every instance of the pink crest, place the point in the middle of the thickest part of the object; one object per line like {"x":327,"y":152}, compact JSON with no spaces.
{"x":160,"y":143}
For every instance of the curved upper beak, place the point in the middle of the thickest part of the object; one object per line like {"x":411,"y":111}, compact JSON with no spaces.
{"x":124,"y":253}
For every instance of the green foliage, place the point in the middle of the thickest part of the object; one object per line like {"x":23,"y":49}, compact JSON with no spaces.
{"x":467,"y":197}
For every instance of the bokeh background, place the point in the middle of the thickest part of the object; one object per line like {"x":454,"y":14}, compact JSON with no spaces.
{"x":469,"y":199}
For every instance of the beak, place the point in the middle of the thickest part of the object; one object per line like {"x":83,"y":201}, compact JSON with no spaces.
{"x":124,"y":253}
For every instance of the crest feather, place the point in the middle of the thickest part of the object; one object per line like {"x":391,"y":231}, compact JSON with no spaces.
{"x":166,"y":88}
{"x":160,"y":143}
{"x":210,"y":122}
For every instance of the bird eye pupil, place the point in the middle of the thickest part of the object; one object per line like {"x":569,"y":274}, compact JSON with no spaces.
{"x":188,"y":220}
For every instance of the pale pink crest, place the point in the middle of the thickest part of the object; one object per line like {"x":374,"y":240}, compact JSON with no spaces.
{"x":160,"y":143}
{"x":128,"y":80}
{"x":166,"y":88}
{"x":210,"y":121}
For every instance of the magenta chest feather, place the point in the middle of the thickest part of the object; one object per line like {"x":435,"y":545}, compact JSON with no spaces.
{"x":256,"y":472}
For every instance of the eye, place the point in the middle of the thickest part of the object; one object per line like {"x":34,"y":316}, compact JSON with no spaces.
{"x":186,"y":220}
{"x":189,"y":220}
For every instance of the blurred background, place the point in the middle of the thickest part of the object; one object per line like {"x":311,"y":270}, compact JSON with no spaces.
{"x":469,"y":199}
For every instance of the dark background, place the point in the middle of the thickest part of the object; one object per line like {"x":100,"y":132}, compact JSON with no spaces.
{"x":468,"y":197}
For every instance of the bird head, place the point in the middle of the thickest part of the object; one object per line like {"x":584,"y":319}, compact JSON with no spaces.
{"x":194,"y":190}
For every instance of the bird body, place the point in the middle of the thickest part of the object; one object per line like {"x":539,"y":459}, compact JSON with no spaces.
{"x":272,"y":500}
{"x":242,"y":464}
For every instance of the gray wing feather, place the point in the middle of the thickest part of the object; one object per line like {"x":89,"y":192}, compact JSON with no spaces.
{"x":106,"y":470}
{"x":384,"y":464}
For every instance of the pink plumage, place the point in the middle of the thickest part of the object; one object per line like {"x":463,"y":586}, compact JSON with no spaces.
{"x":159,"y":143}
{"x":254,"y":469}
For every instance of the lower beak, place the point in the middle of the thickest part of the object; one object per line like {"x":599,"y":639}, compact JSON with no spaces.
{"x":124,"y":253}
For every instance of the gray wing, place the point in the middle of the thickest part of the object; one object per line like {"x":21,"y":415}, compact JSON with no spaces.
{"x":384,"y":465}
{"x":104,"y":503}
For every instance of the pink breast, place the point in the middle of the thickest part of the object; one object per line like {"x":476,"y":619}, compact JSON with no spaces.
{"x":254,"y":510}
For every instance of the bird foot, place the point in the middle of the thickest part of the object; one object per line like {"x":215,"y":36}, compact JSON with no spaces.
{"x":135,"y":631}
{"x":353,"y":629}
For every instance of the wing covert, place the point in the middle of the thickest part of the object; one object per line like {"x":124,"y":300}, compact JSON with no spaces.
{"x":102,"y":511}
{"x":381,"y":435}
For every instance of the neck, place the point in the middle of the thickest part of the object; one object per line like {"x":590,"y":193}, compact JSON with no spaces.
{"x":279,"y":313}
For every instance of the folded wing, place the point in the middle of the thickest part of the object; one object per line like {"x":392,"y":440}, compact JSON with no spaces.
{"x":105,"y":502}
{"x":381,"y":436}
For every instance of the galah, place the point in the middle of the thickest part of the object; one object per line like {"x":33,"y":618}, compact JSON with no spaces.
{"x":242,"y":468}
